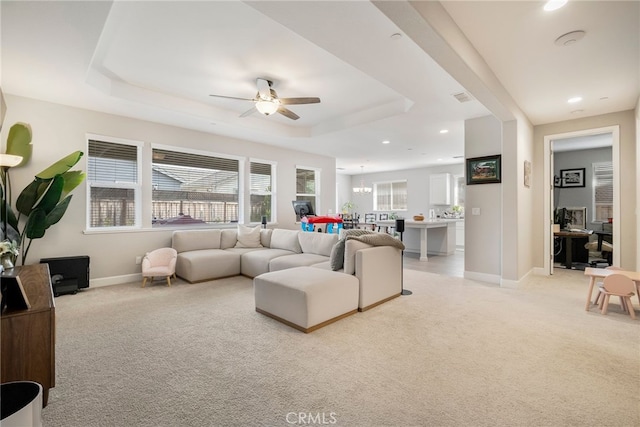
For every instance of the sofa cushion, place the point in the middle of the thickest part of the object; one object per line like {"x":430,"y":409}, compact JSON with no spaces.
{"x":228,"y":238}
{"x":350,"y":248}
{"x":297,"y":260}
{"x":317,"y":243}
{"x":248,"y":237}
{"x":256,"y":261}
{"x":285,"y":239}
{"x":207,"y":264}
{"x":194,"y":240}
{"x":265,"y":237}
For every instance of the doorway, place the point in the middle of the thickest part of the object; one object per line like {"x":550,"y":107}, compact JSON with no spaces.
{"x":550,"y":200}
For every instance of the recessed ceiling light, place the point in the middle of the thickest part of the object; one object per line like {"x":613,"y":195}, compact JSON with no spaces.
{"x":577,"y":111}
{"x":574,"y":100}
{"x":439,"y":160}
{"x":604,"y":98}
{"x":396,"y":36}
{"x":386,"y":141}
{"x":340,"y":169}
{"x":554,"y":5}
{"x":444,"y":131}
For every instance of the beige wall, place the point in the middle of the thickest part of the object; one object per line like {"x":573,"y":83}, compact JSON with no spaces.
{"x":59,"y":130}
{"x":483,"y":233}
{"x":628,"y":218}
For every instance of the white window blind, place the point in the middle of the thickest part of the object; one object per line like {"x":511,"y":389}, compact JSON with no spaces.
{"x":306,"y":187}
{"x":602,"y":191}
{"x":388,"y":196}
{"x":191,"y":189}
{"x":113,"y":184}
{"x":261,"y":191}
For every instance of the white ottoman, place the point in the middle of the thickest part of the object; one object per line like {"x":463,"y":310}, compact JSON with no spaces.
{"x":306,"y":298}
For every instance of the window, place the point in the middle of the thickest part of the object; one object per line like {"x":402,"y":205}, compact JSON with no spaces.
{"x":113,"y":180}
{"x":390,"y":196}
{"x":191,"y":189}
{"x":261,"y":191}
{"x":307,"y":186}
{"x":602,"y":191}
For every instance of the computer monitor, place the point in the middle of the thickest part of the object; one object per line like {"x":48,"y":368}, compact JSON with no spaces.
{"x":303,"y":208}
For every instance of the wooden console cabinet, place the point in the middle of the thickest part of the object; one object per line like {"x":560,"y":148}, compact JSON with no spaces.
{"x":27,"y":351}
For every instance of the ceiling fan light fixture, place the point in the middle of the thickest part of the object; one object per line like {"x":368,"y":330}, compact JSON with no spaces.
{"x":552,"y":5}
{"x":266,"y":107}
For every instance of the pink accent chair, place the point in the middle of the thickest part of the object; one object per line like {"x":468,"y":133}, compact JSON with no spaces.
{"x":159,"y":263}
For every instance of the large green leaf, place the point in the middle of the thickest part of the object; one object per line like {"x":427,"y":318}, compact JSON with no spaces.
{"x":61,"y":166}
{"x":52,"y":195}
{"x":71,"y":180}
{"x":29,"y":196}
{"x":19,"y":142}
{"x":56,"y":214}
{"x":36,"y":224}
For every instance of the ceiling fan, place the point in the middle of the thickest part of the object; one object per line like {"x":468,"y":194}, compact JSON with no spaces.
{"x":267,"y":101}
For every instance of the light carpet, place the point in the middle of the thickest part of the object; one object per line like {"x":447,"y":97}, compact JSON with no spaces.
{"x":455,"y":353}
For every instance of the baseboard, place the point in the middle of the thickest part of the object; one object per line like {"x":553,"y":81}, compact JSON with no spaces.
{"x":116,"y":280}
{"x":482,"y":277}
{"x":540,"y":271}
{"x":514,"y":284}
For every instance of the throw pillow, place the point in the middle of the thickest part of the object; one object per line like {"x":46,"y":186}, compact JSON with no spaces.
{"x":336,"y":259}
{"x":248,"y":237}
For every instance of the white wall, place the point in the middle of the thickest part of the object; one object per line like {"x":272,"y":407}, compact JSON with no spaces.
{"x":59,"y":130}
{"x":483,"y":232}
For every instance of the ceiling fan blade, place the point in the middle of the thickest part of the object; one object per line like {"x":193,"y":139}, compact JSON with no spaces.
{"x":264,"y":88}
{"x":249,"y":112}
{"x":291,"y":101}
{"x":288,"y":113}
{"x":233,"y":97}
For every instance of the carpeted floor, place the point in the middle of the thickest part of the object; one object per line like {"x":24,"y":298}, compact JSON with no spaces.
{"x":455,"y":353}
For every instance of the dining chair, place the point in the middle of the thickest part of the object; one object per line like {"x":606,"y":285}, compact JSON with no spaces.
{"x":621,"y":286}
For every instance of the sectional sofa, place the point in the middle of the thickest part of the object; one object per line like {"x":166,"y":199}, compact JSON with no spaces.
{"x":216,"y":253}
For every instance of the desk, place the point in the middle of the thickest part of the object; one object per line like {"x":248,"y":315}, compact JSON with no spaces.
{"x":446,"y":236}
{"x":601,"y":273}
{"x":568,"y":236}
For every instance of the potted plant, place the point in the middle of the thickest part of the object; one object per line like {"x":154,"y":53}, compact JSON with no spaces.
{"x":44,"y":201}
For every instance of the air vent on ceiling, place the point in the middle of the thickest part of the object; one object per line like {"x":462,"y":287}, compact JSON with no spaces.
{"x":463,"y":97}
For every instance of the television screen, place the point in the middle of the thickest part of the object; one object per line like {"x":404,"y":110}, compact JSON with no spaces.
{"x":302,"y":208}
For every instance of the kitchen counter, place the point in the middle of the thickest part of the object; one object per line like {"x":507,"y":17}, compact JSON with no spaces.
{"x":437,"y":236}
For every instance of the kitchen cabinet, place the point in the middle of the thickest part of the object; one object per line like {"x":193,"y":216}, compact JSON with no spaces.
{"x":440,"y":189}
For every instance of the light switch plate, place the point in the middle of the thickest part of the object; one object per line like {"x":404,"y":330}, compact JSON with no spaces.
{"x":475,"y":211}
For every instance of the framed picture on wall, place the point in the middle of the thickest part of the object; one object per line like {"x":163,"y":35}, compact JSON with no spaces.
{"x":572,"y":178}
{"x":484,"y":170}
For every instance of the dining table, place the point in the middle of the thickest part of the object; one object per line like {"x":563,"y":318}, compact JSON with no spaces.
{"x":601,"y":273}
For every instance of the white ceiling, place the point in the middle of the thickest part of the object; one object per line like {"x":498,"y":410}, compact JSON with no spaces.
{"x":159,"y":61}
